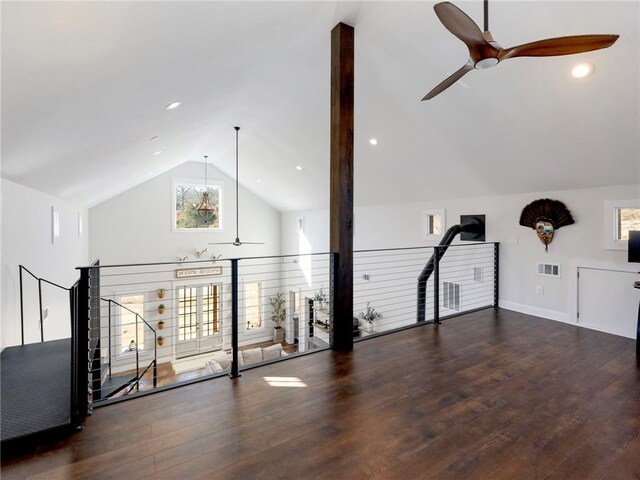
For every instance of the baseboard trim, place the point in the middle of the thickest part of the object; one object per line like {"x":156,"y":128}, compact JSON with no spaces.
{"x":536,"y":311}
{"x":556,"y":316}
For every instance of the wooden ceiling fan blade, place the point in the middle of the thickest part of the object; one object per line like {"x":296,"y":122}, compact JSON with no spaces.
{"x":442,"y":86}
{"x":459,"y":23}
{"x":552,"y":47}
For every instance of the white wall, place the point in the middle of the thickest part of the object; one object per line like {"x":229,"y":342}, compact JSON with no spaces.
{"x":400,"y":225}
{"x":26,"y":240}
{"x":136,"y":227}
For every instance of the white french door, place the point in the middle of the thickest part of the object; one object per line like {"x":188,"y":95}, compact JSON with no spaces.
{"x":199,"y":322}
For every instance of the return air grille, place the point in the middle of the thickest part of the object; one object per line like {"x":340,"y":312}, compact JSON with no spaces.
{"x":549,"y":270}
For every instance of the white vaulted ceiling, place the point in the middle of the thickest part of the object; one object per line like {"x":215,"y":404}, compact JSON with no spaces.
{"x":84,"y":86}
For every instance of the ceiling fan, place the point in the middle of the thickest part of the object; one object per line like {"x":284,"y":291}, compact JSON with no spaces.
{"x":485,"y":52}
{"x":237,"y":241}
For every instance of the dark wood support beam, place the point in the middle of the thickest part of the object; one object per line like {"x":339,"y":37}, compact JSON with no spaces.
{"x":341,"y":199}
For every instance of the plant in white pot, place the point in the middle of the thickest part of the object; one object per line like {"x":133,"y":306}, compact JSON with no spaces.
{"x":319,"y":299}
{"x":368,"y":317}
{"x":278,"y":316}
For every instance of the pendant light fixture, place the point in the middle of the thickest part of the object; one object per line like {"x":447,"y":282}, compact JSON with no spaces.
{"x":237,"y":241}
{"x":205,"y":210}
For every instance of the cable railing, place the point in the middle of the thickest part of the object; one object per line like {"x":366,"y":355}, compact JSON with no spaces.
{"x":201,"y":319}
{"x":385,"y":283}
{"x":166,"y":324}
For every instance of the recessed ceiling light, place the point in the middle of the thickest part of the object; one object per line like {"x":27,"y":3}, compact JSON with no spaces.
{"x":173,"y":105}
{"x":259,"y":181}
{"x":155,"y":138}
{"x":582,"y":70}
{"x":373,"y":141}
{"x":157,"y":153}
{"x":298,"y":167}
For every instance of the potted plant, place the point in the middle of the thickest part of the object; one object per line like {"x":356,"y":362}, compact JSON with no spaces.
{"x":320,"y":298}
{"x":161,"y":340}
{"x":160,"y":293}
{"x":278,"y":315}
{"x":161,"y":308}
{"x":369,"y":316}
{"x":160,"y":324}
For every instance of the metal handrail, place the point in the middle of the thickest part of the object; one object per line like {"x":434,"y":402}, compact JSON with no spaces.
{"x":40,"y":282}
{"x":209,"y":260}
{"x":43,"y":279}
{"x":153,"y":362}
{"x":296,"y":255}
{"x":129,"y":310}
{"x":155,"y":344}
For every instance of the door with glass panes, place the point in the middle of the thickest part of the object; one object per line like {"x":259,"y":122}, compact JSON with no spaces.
{"x":199,"y":319}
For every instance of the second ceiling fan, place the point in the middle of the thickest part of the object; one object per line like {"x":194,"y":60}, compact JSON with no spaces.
{"x":485,"y":52}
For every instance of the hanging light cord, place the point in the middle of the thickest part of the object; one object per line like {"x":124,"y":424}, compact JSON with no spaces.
{"x":205,"y":172}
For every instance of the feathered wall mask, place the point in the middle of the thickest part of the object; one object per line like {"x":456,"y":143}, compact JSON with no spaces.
{"x":545,"y":216}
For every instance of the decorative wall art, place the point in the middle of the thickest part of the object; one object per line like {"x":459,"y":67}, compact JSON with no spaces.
{"x":546,"y":216}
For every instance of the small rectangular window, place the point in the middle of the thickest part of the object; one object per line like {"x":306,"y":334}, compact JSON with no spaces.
{"x":187,"y":199}
{"x":626,"y":219}
{"x":253,"y":305}
{"x":434,"y":223}
{"x":620,"y":217}
{"x":131,"y":324}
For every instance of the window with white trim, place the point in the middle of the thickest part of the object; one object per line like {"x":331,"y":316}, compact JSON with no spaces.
{"x":253,"y":305}
{"x":433,"y":223}
{"x":626,"y":219}
{"x":187,"y":196}
{"x":621,"y":216}
{"x":131,"y":327}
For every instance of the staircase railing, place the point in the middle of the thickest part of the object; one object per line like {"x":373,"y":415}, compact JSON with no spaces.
{"x":153,"y":363}
{"x":79,"y":337}
{"x":40,"y":281}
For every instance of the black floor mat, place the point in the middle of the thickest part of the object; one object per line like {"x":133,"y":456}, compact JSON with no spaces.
{"x":35,"y":390}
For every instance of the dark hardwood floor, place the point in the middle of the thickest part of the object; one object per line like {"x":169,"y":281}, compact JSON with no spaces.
{"x":492,"y":395}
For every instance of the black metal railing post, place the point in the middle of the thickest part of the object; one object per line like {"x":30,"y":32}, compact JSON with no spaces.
{"x":81,"y":350}
{"x":21,"y":308}
{"x":74,"y":333}
{"x":41,"y":313}
{"x":436,"y":285}
{"x":109,"y":336}
{"x":496,"y":273}
{"x":137,"y":358}
{"x":155,"y":359}
{"x":234,"y":373}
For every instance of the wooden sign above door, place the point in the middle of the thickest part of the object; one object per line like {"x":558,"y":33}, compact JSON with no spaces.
{"x":198,"y":272}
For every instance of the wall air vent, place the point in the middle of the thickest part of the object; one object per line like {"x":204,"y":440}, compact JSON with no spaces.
{"x":548,"y":270}
{"x":477,"y":274}
{"x":451,"y":295}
